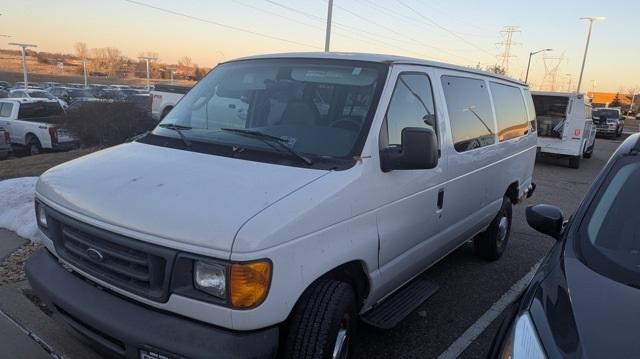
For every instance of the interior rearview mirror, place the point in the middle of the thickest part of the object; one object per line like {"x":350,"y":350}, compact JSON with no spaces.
{"x":546,"y":219}
{"x":418,"y":151}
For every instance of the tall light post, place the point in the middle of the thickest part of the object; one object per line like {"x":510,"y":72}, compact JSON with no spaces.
{"x":591,"y":20}
{"x":526,"y":78}
{"x":84,"y":70}
{"x":147,"y":59}
{"x":327,"y":40}
{"x":23,"y":47}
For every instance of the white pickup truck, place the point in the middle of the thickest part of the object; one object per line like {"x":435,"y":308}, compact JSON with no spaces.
{"x":164,"y":98}
{"x":34,"y":125}
{"x":5,"y":144}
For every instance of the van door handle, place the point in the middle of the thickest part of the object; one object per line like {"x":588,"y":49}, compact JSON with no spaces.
{"x":440,"y":199}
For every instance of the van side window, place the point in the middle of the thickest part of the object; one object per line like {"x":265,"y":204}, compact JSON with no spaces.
{"x":470,"y":112}
{"x":411,"y":105}
{"x":5,"y":109}
{"x":511,"y":113}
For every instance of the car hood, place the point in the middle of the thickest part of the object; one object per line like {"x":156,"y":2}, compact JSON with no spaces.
{"x":195,"y":199}
{"x":587,"y":314}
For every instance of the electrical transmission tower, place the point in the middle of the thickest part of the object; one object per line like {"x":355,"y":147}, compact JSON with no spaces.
{"x":507,"y":34}
{"x":551,"y":72}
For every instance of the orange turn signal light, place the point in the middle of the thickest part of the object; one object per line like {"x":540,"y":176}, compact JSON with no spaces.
{"x":249,"y":283}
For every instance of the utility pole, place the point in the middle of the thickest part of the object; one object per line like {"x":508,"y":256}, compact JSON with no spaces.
{"x":327,"y":40}
{"x":24,"y":47}
{"x":147,"y":59}
{"x":586,"y":48}
{"x":508,"y":32}
{"x":84,"y":69}
{"x":570,"y":78}
{"x":526,"y":78}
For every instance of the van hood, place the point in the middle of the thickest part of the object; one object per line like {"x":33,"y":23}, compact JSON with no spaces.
{"x":196,"y":199}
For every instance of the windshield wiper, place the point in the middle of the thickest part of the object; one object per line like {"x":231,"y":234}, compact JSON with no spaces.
{"x":266,"y":137}
{"x":178,"y":129}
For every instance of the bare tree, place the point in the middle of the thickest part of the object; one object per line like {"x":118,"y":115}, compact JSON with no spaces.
{"x":185,"y":61}
{"x":82,"y":51}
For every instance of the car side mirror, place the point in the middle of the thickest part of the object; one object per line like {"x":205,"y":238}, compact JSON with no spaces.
{"x":546,"y":219}
{"x":418,"y":151}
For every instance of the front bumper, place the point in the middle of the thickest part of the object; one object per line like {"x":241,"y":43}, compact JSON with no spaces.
{"x":66,"y":146}
{"x":125,"y":327}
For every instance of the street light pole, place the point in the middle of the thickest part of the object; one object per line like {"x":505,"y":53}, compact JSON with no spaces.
{"x":327,"y":39}
{"x":147,"y":59}
{"x":586,"y":49}
{"x":526,"y":79}
{"x":84,"y":69}
{"x":23,"y":47}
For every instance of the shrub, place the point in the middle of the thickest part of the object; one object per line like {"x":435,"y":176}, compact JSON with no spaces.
{"x":107,"y":123}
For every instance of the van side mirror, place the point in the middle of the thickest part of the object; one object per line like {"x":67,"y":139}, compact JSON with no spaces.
{"x":546,"y":219}
{"x":418,"y":151}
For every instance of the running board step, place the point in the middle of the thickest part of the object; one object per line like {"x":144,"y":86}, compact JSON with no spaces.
{"x":400,"y":304}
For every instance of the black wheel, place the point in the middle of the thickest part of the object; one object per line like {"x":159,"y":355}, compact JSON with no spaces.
{"x":574,"y":162}
{"x":491,"y":243}
{"x":324,"y":322}
{"x":33,"y":146}
{"x":589,"y":152}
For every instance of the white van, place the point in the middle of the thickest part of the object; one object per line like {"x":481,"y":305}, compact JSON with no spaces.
{"x":565,"y":127}
{"x":329,"y":184}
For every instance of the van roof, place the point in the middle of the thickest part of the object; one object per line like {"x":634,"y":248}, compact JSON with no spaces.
{"x":560,"y":94}
{"x":379,"y":58}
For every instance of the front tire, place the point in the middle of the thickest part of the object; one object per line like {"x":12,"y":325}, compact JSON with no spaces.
{"x":490,"y":244}
{"x":324,"y":322}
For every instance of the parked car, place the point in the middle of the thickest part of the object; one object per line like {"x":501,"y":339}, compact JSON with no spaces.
{"x":31,"y":85}
{"x":75,"y":85}
{"x":609,"y":121}
{"x":141,"y":100}
{"x":36,"y":94}
{"x":5,"y":143}
{"x":583,"y":300}
{"x":48,"y":84}
{"x":34,"y":125}
{"x":71,"y":94}
{"x":164,"y":98}
{"x":4,"y":93}
{"x":4,"y":85}
{"x":565,"y":128}
{"x":264,"y":217}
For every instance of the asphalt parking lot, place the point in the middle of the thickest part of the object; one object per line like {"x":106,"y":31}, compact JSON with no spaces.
{"x":469,"y":286}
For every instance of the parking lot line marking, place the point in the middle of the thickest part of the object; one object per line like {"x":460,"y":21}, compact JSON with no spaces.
{"x":32,"y":335}
{"x":461,"y":344}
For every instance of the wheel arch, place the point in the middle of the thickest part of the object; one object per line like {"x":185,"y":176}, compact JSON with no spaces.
{"x":513,"y":192}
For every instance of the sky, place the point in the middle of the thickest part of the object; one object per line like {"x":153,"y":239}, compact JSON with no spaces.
{"x":462,"y":32}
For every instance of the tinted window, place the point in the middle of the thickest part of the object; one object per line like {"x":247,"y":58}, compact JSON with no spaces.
{"x":39,"y":110}
{"x":17,"y":94}
{"x":5,"y":109}
{"x":411,"y":106}
{"x":609,"y":234}
{"x":511,"y":113}
{"x":469,"y":111}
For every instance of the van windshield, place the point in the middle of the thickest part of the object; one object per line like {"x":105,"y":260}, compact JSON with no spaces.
{"x":319,"y":108}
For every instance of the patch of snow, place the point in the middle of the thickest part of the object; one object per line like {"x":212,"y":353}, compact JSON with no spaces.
{"x":16,"y":207}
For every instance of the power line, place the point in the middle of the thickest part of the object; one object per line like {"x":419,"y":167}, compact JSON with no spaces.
{"x":273,"y":13}
{"x":173,"y":12}
{"x":444,"y":28}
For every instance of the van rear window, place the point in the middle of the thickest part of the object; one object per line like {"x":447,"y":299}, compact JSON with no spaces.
{"x":510,"y":111}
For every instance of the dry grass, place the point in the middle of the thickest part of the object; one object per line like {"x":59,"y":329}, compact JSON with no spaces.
{"x":36,"y":165}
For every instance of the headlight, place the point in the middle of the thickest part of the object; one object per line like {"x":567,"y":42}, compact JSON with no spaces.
{"x":210,"y":278}
{"x":523,"y":341}
{"x":41,"y":215}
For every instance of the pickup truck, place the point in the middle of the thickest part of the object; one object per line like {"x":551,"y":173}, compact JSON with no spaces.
{"x":34,"y":125}
{"x":164,"y":98}
{"x":5,"y":144}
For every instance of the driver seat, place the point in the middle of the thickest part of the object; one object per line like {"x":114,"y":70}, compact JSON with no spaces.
{"x":299,"y":113}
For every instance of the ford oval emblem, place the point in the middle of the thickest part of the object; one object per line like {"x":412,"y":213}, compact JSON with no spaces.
{"x":95,"y":255}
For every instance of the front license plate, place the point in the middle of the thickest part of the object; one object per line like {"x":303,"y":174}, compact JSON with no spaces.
{"x":145,"y":354}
